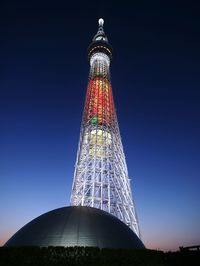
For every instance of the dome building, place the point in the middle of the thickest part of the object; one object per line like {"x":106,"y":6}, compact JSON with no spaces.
{"x":76,"y":226}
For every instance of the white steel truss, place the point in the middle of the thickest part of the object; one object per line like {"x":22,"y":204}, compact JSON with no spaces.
{"x":101,"y":177}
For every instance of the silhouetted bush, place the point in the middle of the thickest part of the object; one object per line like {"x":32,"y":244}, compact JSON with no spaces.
{"x":82,"y":256}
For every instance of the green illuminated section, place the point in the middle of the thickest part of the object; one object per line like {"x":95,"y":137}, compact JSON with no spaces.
{"x":94,"y":120}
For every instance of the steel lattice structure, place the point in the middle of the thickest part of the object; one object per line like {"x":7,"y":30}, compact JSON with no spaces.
{"x":101,"y":177}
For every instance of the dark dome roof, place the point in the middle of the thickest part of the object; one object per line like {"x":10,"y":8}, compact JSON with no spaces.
{"x":76,"y":226}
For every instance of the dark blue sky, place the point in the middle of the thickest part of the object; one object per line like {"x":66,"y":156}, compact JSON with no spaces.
{"x":155,"y":79}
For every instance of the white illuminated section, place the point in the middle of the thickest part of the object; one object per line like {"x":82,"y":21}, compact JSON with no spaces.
{"x":98,"y":137}
{"x":99,"y":57}
{"x":101,"y":22}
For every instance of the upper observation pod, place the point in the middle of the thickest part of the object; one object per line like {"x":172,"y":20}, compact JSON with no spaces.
{"x":100,"y":42}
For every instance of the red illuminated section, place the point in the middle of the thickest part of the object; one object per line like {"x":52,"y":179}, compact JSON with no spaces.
{"x":99,"y":106}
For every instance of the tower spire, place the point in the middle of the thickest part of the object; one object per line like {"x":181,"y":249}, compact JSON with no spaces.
{"x":101,"y":177}
{"x":100,"y":36}
{"x":101,"y":22}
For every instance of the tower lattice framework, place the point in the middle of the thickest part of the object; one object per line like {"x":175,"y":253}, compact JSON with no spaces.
{"x":101,"y":177}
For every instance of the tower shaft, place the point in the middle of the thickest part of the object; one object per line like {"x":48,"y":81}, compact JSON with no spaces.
{"x":101,"y":177}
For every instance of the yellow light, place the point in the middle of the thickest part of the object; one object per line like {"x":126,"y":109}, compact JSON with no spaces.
{"x":98,"y":141}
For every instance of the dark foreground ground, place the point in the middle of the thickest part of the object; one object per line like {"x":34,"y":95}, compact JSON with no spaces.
{"x":79,"y":256}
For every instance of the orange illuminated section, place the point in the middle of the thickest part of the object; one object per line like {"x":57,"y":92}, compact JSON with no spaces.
{"x":99,"y":102}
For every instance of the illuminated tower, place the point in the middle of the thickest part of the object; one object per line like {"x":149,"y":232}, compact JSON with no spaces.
{"x":101,"y":178}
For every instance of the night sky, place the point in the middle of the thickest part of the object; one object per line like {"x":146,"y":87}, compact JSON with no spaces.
{"x":155,"y":76}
